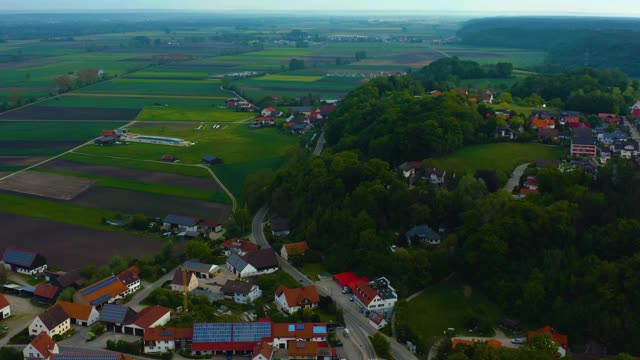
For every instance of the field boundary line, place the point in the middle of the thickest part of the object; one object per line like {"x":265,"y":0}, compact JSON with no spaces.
{"x":234,"y":201}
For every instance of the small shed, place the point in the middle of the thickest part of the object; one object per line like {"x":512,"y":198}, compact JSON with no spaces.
{"x":168,"y":158}
{"x":211,"y":160}
{"x":105,"y":140}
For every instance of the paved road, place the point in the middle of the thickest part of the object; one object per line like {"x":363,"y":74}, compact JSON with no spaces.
{"x":320,"y":144}
{"x":514,"y":180}
{"x":634,"y":131}
{"x":356,"y":322}
{"x":134,"y":303}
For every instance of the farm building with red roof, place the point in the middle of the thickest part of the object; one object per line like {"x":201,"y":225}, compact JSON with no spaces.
{"x":5,"y":307}
{"x":561,"y":339}
{"x":348,"y":280}
{"x":298,"y":248}
{"x":293,"y":300}
{"x":149,"y":317}
{"x":211,"y":338}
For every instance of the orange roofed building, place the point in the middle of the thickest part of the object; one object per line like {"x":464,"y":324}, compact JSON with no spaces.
{"x":41,"y":347}
{"x":110,"y":289}
{"x":561,"y":339}
{"x":491,"y":342}
{"x":240,"y":247}
{"x":293,"y":300}
{"x":298,"y":248}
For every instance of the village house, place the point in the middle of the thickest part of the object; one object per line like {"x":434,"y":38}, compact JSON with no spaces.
{"x":280,"y":226}
{"x":506,"y":133}
{"x":41,"y":347}
{"x":283,"y":333}
{"x":178,"y":284}
{"x":209,"y":226}
{"x":23,"y":261}
{"x":298,"y":248}
{"x":570,"y":117}
{"x":265,"y":121}
{"x":582,"y":143}
{"x":262,"y":351}
{"x":240,"y":292}
{"x":560,"y":339}
{"x":161,"y":340}
{"x":422,"y":234}
{"x":201,"y":270}
{"x":377,"y":295}
{"x":240,"y":247}
{"x":83,"y":315}
{"x":609,"y":118}
{"x":214,"y":338}
{"x":110,"y":289}
{"x":46,"y":294}
{"x":5,"y":308}
{"x":255,"y":263}
{"x":300,"y":350}
{"x":377,"y":320}
{"x":293,"y":300}
{"x":626,"y":149}
{"x":605,"y":153}
{"x":408,"y":169}
{"x":487,"y":97}
{"x":180,"y":224}
{"x":54,"y":321}
{"x":436,"y":176}
{"x":131,"y":279}
{"x":635,"y":110}
{"x":116,"y":316}
{"x":149,"y":317}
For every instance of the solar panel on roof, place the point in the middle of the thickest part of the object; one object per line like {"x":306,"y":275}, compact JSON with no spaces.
{"x":299,"y":326}
{"x":113,"y":313}
{"x":85,"y":356}
{"x":205,"y":333}
{"x":98,"y":286}
{"x":292,"y":328}
{"x":319,"y":329}
{"x":18,"y":257}
{"x":101,"y":300}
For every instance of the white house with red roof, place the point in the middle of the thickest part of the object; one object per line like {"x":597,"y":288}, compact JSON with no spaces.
{"x":5,"y":307}
{"x":161,"y":340}
{"x":149,"y":317}
{"x":377,"y":320}
{"x":376,"y":296}
{"x":262,"y":351}
{"x":283,"y":333}
{"x":298,"y":248}
{"x":635,"y":109}
{"x":293,"y":300}
{"x":41,"y":347}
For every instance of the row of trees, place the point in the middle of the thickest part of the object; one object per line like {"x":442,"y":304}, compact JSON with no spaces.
{"x":440,"y":73}
{"x":81,"y":78}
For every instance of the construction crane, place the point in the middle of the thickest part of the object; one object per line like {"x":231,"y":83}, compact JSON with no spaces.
{"x":185,"y":292}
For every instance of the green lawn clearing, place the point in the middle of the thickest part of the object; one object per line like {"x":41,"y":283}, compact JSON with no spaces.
{"x":295,"y":78}
{"x":192,"y":114}
{"x":130,"y":101}
{"x":312,"y":270}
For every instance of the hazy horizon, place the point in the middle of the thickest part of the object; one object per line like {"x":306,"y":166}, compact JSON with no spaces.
{"x":541,"y":7}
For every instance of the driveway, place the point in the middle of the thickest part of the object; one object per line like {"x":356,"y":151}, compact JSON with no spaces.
{"x":514,"y":180}
{"x":134,"y":303}
{"x":22,"y":313}
{"x":635,"y":134}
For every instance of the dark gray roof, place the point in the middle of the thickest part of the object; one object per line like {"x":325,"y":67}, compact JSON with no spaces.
{"x":583,"y":141}
{"x":197,"y":266}
{"x":53,"y":317}
{"x":384,"y":289}
{"x":237,"y":262}
{"x":19,"y":257}
{"x":180,"y":220}
{"x":423,"y":232}
{"x":236,"y":287}
{"x":262,"y":259}
{"x":116,"y":314}
{"x":279,"y":224}
{"x":582,"y":132}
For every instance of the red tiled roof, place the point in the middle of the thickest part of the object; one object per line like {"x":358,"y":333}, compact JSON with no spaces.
{"x":130,"y":275}
{"x":436,"y":93}
{"x":303,"y":348}
{"x":44,"y":344}
{"x":529,"y":192}
{"x":364,"y":292}
{"x":264,"y":349}
{"x":46,"y":291}
{"x":298,"y":248}
{"x":281,"y":330}
{"x":108,"y":132}
{"x":76,"y":311}
{"x":148,"y":316}
{"x":299,"y":296}
{"x":559,"y":338}
{"x":242,"y":245}
{"x":164,"y":334}
{"x":349,"y":279}
{"x":3,"y":302}
{"x":543,"y":123}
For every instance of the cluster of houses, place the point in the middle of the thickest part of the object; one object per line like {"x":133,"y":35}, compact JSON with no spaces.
{"x":240,"y":104}
{"x":299,"y":119}
{"x":43,"y":347}
{"x":414,"y":171}
{"x":189,"y":227}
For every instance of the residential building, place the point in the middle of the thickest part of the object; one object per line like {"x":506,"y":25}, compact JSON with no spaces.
{"x":583,"y":147}
{"x":280,"y":226}
{"x":240,"y":247}
{"x":46,"y":293}
{"x":180,"y":224}
{"x":41,"y":347}
{"x":422,"y":234}
{"x":436,"y":176}
{"x":5,"y":308}
{"x":240,"y":292}
{"x":560,"y":339}
{"x":635,"y":110}
{"x":377,"y":295}
{"x":487,"y":97}
{"x":570,"y":117}
{"x":298,"y":248}
{"x":54,"y":321}
{"x":131,"y":279}
{"x":79,"y":314}
{"x":262,"y":351}
{"x":162,"y":340}
{"x":201,"y":270}
{"x":293,"y":300}
{"x":506,"y":133}
{"x":377,"y":320}
{"x":283,"y":333}
{"x":255,"y":263}
{"x":149,"y":317}
{"x":178,"y":284}
{"x":210,"y":226}
{"x":609,"y":118}
{"x":115,"y":317}
{"x":300,"y":350}
{"x":626,"y":149}
{"x":23,"y":261}
{"x":348,"y":280}
{"x":212,"y":338}
{"x":211,"y":160}
{"x":268,"y":111}
{"x":110,"y":289}
{"x":409,"y":168}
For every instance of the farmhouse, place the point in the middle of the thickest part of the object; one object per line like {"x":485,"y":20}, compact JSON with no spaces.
{"x":72,"y":279}
{"x":131,"y":278}
{"x":79,"y":314}
{"x":116,"y":316}
{"x":254,"y":263}
{"x":423,"y":234}
{"x":46,"y":293}
{"x":202,"y":271}
{"x":110,"y":289}
{"x":293,"y":300}
{"x":5,"y":308}
{"x":180,"y":223}
{"x":506,"y":133}
{"x":609,"y":118}
{"x":41,"y":347}
{"x":283,"y":333}
{"x":377,"y":295}
{"x":149,"y":317}
{"x":570,"y":117}
{"x":436,"y":176}
{"x":23,"y":261}
{"x":209,"y":226}
{"x":240,"y":292}
{"x":178,"y":284}
{"x":105,"y":140}
{"x":211,"y":338}
{"x":262,"y":351}
{"x":298,"y":248}
{"x":162,"y":340}
{"x":211,"y":160}
{"x":265,"y":120}
{"x":240,"y":247}
{"x":54,"y":321}
{"x":560,"y":339}
{"x":280,"y":226}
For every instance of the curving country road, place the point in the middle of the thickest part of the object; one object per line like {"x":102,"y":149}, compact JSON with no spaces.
{"x":356,"y":322}
{"x":514,"y":180}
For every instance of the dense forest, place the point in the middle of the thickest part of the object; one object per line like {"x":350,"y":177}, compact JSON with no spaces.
{"x":570,"y":42}
{"x":441,"y":73}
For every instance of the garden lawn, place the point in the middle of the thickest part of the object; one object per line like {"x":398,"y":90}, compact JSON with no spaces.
{"x":191,"y":114}
{"x":502,"y":157}
{"x":446,"y":306}
{"x":312,"y":270}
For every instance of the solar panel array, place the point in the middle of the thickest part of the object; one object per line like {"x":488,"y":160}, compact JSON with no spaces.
{"x":98,"y":286}
{"x":291,"y":328}
{"x":87,"y":356}
{"x":18,"y":257}
{"x":299,"y":326}
{"x":113,"y":313}
{"x":166,"y":333}
{"x":204,"y":333}
{"x":251,"y":332}
{"x":319,"y":329}
{"x":102,"y":299}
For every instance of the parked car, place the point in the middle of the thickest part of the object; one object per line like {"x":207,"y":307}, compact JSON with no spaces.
{"x":519,"y":341}
{"x":5,"y":327}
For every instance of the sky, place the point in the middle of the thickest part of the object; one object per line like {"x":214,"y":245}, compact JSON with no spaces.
{"x":593,"y":7}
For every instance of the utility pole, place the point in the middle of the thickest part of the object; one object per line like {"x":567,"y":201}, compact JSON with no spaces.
{"x":185,"y":292}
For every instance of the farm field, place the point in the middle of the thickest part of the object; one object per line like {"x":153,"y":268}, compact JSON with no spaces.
{"x":70,"y":247}
{"x":130,"y":101}
{"x":44,"y":113}
{"x":502,"y":157}
{"x":157,"y":87}
{"x":446,"y":306}
{"x":192,"y":114}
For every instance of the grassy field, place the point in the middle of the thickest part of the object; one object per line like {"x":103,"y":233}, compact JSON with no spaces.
{"x":54,"y":130}
{"x":312,"y":270}
{"x":131,"y":101}
{"x":192,"y":114}
{"x":158,"y":87}
{"x":294,"y":78}
{"x":446,"y":306}
{"x":502,"y":157}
